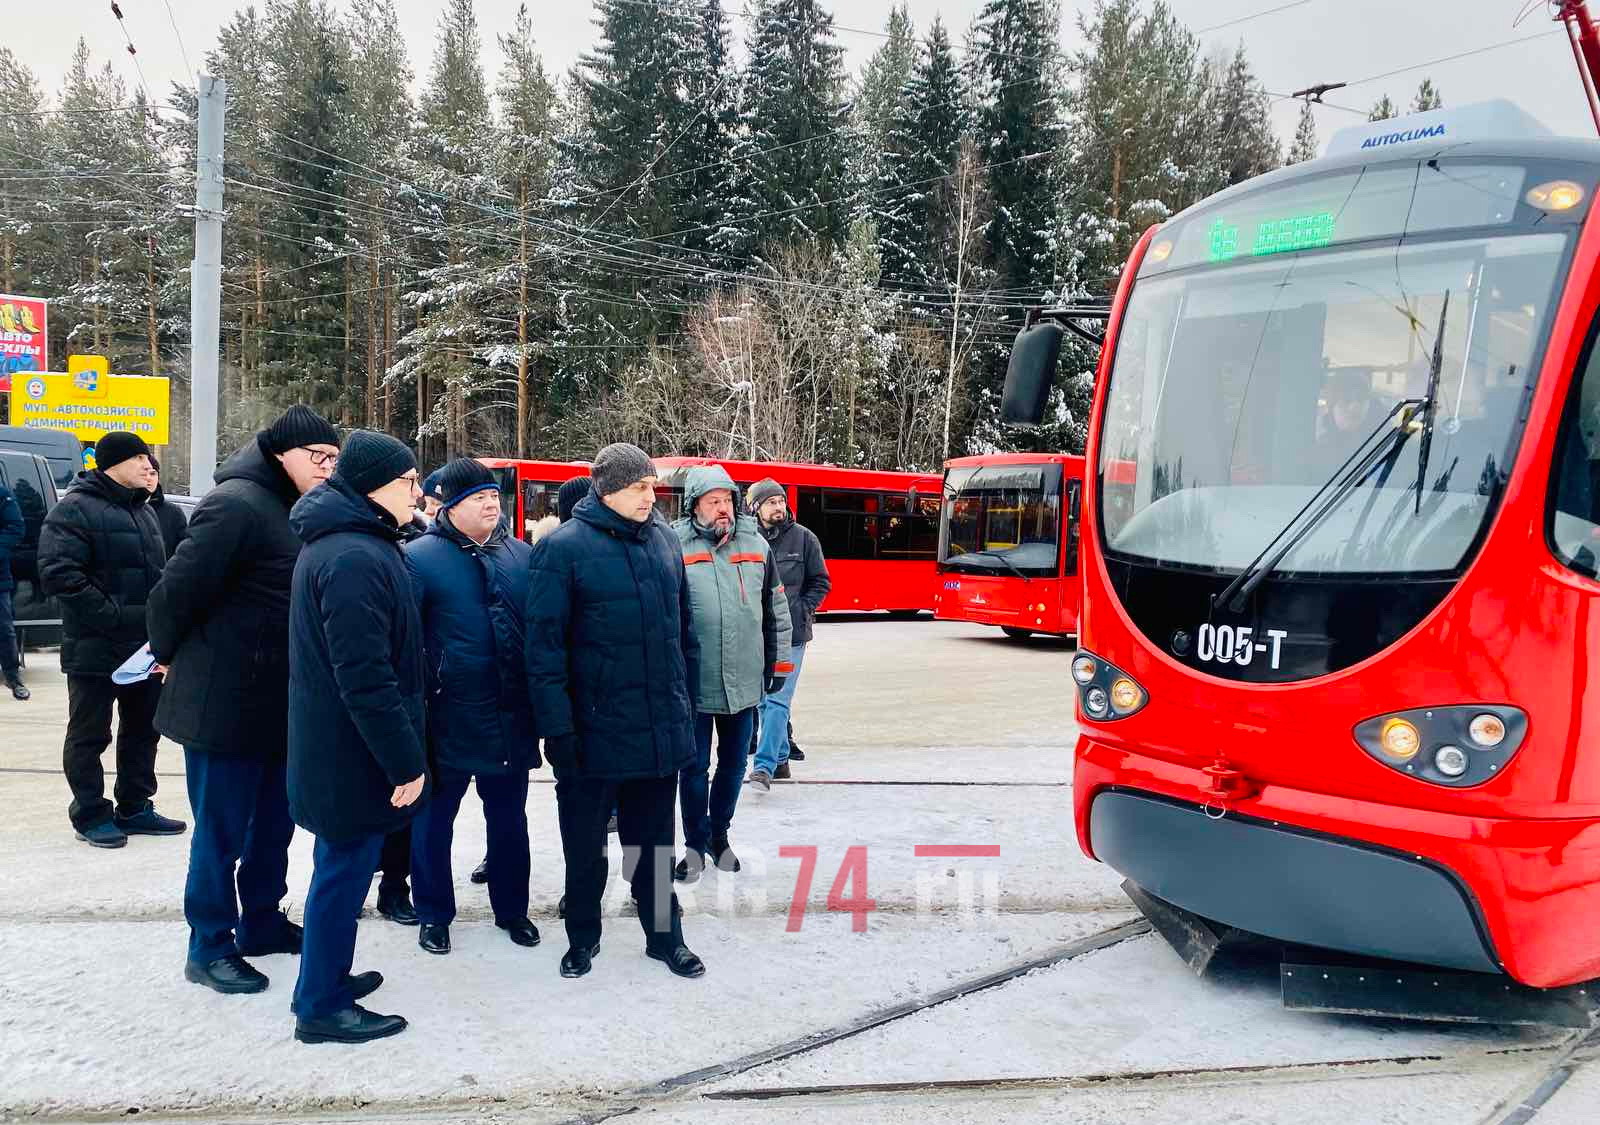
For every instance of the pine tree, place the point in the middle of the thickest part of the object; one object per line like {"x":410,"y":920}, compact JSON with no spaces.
{"x":883,"y":83}
{"x":1383,"y":109}
{"x":792,"y":113}
{"x":1305,"y":138}
{"x":27,"y":201}
{"x":1243,"y":136}
{"x":1428,"y":97}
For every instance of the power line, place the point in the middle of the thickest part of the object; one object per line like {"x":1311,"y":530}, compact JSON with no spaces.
{"x":133,"y":52}
{"x":181,"y":48}
{"x":1252,"y":16}
{"x":1460,"y":55}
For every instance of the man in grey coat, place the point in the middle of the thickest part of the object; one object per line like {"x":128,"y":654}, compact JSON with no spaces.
{"x":797,"y":554}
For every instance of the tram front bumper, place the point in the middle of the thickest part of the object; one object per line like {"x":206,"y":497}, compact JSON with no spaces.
{"x":1481,"y":894}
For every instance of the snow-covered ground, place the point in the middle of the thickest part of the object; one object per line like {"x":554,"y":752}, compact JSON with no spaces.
{"x":917,"y":734}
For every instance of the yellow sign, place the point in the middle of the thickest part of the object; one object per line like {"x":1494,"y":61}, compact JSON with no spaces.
{"x":90,"y":403}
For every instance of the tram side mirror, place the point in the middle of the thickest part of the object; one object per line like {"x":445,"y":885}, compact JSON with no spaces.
{"x":1034,"y":355}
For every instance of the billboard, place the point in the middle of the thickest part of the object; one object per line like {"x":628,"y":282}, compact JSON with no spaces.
{"x":24,"y":336}
{"x":89,"y":403}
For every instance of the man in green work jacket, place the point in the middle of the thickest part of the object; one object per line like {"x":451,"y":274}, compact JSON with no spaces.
{"x":741,"y":617}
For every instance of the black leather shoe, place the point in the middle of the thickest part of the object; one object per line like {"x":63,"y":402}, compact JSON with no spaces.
{"x":148,"y":822}
{"x":363,"y":984}
{"x":434,"y":938}
{"x":103,"y":835}
{"x":689,"y":867}
{"x":480,"y":873}
{"x":397,"y":907}
{"x":289,"y":940}
{"x":577,"y":961}
{"x":353,"y":1025}
{"x":231,"y":975}
{"x":723,"y":855}
{"x":522,"y":931}
{"x":679,"y":960}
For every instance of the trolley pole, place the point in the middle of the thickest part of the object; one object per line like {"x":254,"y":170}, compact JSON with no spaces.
{"x":205,"y":287}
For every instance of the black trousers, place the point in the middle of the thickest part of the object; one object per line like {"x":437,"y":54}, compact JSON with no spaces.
{"x":395,"y":861}
{"x":89,"y":703}
{"x":644,"y":826}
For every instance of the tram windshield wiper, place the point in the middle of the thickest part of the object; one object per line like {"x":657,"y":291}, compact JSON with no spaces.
{"x":1430,"y":402}
{"x":1345,"y":480}
{"x":1005,"y":562}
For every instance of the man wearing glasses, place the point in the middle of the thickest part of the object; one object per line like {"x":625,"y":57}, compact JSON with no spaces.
{"x":357,"y":766}
{"x":219,"y":622}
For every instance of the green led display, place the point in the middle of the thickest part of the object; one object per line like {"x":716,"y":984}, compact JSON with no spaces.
{"x":1275,"y":236}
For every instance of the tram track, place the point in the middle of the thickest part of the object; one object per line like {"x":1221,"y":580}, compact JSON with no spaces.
{"x":1581,"y":1049}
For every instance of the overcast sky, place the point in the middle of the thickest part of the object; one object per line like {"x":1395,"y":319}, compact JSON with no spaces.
{"x":1305,"y":42}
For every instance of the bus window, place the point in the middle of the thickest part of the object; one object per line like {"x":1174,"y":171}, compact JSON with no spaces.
{"x":1575,"y":513}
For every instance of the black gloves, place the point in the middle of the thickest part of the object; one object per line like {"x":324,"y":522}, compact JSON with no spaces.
{"x":775,"y":683}
{"x":562,"y":752}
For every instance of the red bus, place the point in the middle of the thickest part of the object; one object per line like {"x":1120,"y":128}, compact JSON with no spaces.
{"x":1008,"y":542}
{"x":879,"y":530}
{"x":1341,"y":559}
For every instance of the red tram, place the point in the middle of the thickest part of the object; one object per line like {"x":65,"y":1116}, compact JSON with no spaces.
{"x":1341,"y":554}
{"x":1008,"y":542}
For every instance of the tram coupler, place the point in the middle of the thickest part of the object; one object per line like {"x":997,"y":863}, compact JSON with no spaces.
{"x":1197,"y":940}
{"x":1224,"y":783}
{"x":1417,"y":992}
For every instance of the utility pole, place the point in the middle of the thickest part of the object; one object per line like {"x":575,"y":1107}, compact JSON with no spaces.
{"x":205,"y":287}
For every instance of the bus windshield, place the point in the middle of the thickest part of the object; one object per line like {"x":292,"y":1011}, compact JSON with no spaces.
{"x":1002,"y":519}
{"x":1239,"y":387}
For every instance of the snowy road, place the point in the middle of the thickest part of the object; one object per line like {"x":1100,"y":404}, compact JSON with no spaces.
{"x":918,"y":734}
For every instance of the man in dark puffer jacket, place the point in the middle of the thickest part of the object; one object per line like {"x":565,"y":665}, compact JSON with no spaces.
{"x":611,"y":655}
{"x":471,"y":582}
{"x":219,"y":618}
{"x":174,"y":524}
{"x":357,"y":768}
{"x":100,"y":554}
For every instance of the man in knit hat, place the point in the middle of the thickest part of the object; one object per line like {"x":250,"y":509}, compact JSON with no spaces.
{"x":219,"y":622}
{"x":174,"y":524}
{"x":100,"y":554}
{"x":357,"y":764}
{"x":611,"y":655}
{"x":470,"y":577}
{"x":797,"y":554}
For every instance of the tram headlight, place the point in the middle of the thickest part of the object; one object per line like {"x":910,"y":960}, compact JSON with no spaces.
{"x":1557,"y":195}
{"x":1487,"y":730}
{"x":1096,"y":702}
{"x":1465,"y":745}
{"x":1105,"y":691}
{"x":1400,"y":739}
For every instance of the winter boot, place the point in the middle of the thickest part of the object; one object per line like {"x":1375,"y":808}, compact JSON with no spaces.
{"x":19,"y":690}
{"x":723,"y":854}
{"x":781,"y":773}
{"x":761,"y":781}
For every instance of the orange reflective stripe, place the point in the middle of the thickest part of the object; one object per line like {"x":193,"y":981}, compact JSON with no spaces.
{"x":782,"y":668}
{"x":703,"y":556}
{"x":747,"y":558}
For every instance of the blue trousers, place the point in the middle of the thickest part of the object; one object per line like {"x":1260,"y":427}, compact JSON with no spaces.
{"x":708,"y":801}
{"x":505,"y":810}
{"x":238,"y":852}
{"x":9,"y":662}
{"x":339,"y":882}
{"x":774,"y":747}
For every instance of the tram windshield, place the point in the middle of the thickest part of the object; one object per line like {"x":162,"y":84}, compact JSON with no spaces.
{"x":1259,"y":354}
{"x":1002,"y":519}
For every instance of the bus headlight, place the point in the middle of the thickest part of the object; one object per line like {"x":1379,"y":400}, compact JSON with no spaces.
{"x":1105,"y":691}
{"x":1457,"y":746}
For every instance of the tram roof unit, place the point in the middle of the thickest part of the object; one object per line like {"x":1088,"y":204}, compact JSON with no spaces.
{"x":983,"y":459}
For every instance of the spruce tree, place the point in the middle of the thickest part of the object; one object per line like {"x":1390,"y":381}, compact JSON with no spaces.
{"x":1428,"y":97}
{"x":1242,"y":123}
{"x":1305,"y":138}
{"x":1383,"y":109}
{"x":27,"y":201}
{"x":883,"y":85}
{"x":704,"y":181}
{"x":792,"y":111}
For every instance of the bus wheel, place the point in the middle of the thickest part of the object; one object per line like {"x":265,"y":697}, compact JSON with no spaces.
{"x":1016,"y":634}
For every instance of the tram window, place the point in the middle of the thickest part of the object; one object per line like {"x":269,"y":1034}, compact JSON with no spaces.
{"x":1575,"y":513}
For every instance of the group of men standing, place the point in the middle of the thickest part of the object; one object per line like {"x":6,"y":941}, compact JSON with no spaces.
{"x":333,"y":661}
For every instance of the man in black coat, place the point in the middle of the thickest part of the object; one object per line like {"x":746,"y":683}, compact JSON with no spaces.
{"x":174,"y":524}
{"x":100,"y":554}
{"x":797,"y":554}
{"x":357,"y":765}
{"x":471,"y":582}
{"x":219,"y":623}
{"x":12,"y":529}
{"x":611,"y":653}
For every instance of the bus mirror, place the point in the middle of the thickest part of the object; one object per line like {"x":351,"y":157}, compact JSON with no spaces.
{"x":1028,"y":375}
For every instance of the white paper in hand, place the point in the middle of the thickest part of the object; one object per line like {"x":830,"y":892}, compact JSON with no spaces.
{"x":136,"y":668}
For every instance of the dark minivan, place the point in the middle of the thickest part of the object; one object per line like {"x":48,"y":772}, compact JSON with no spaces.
{"x":29,"y":477}
{"x":61,"y":449}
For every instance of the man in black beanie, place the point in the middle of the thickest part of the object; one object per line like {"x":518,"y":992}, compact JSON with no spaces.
{"x":174,"y":524}
{"x":611,"y":655}
{"x":357,"y":763}
{"x":219,"y":622}
{"x":100,"y":554}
